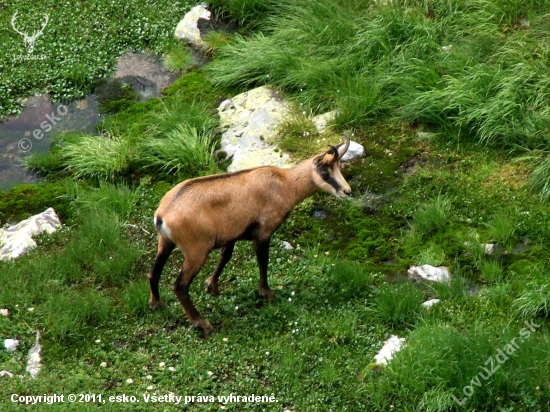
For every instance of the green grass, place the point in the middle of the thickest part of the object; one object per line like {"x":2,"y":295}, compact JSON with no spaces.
{"x":79,"y":44}
{"x":399,"y":305}
{"x":101,"y":157}
{"x":178,"y":58}
{"x":342,"y":290}
{"x":183,"y":150}
{"x":373,"y":61}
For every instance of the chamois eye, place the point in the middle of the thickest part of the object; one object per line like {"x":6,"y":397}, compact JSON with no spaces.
{"x":324,"y":173}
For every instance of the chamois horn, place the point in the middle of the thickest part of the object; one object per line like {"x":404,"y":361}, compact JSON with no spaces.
{"x":340,"y":151}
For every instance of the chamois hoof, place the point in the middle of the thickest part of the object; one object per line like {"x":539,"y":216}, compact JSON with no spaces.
{"x":268,"y":293}
{"x":157,"y":304}
{"x":204,"y":325}
{"x":211,"y":288}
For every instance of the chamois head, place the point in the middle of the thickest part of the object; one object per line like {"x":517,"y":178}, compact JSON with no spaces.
{"x":326,"y":173}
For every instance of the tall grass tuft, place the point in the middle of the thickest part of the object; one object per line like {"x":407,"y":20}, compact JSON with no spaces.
{"x":439,"y":361}
{"x":501,"y":227}
{"x":351,"y":279}
{"x":430,"y":217}
{"x":399,"y":304}
{"x":476,"y":70}
{"x":540,"y":178}
{"x":101,"y":157}
{"x":113,"y":198}
{"x":176,"y":111}
{"x":535,"y":299}
{"x":178,"y":58}
{"x":183,"y":150}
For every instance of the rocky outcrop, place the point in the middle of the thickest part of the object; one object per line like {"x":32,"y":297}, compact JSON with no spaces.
{"x":249,"y":121}
{"x":428,"y":272}
{"x":188,"y":28}
{"x":17,"y":239}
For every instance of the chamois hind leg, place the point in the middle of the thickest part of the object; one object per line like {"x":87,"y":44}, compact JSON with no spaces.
{"x":165,"y":248}
{"x":192,"y":265}
{"x":262,"y":255}
{"x":212,"y":282}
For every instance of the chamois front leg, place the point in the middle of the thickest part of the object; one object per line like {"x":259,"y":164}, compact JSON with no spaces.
{"x":262,"y":255}
{"x":165,"y":248}
{"x":212,"y":282}
{"x":192,"y":266}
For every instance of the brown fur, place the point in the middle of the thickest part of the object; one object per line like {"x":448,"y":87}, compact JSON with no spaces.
{"x":214,"y":212}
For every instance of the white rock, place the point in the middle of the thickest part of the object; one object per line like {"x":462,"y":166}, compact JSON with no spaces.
{"x":428,"y":272}
{"x":17,"y":239}
{"x":287,"y":245}
{"x":355,"y":150}
{"x":188,"y":28}
{"x":430,"y":303}
{"x":11,"y":344}
{"x":33,"y":358}
{"x":391,"y":346}
{"x":489,"y":248}
{"x":248,"y":121}
{"x":447,"y":48}
{"x":322,"y":120}
{"x":6,"y":373}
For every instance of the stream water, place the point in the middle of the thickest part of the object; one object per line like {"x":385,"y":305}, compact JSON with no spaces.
{"x":32,"y":130}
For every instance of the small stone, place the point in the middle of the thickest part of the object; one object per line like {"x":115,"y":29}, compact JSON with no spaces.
{"x":429,"y":303}
{"x":355,"y":150}
{"x":428,"y":272}
{"x":287,"y":245}
{"x":391,"y":346}
{"x":11,"y":344}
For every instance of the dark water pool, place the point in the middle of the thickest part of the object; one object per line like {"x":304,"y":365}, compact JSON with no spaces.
{"x":32,"y":130}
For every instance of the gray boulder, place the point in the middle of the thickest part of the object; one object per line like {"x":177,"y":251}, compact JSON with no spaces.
{"x":188,"y":28}
{"x":428,"y":272}
{"x":17,"y":239}
{"x":249,"y":121}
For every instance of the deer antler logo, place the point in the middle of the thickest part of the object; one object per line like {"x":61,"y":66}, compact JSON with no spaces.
{"x":29,"y":40}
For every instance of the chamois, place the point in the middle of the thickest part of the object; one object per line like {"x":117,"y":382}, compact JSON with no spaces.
{"x":213,"y":212}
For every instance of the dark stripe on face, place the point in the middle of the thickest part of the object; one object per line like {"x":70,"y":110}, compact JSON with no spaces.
{"x":331,"y":181}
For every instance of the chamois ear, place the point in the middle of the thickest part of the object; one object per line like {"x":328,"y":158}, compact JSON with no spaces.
{"x":319,"y":159}
{"x":334,"y":152}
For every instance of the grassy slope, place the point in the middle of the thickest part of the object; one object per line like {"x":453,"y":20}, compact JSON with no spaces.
{"x":339,"y":295}
{"x":80,"y":43}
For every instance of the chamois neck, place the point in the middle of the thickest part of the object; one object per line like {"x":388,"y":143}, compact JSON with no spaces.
{"x":301,"y":183}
